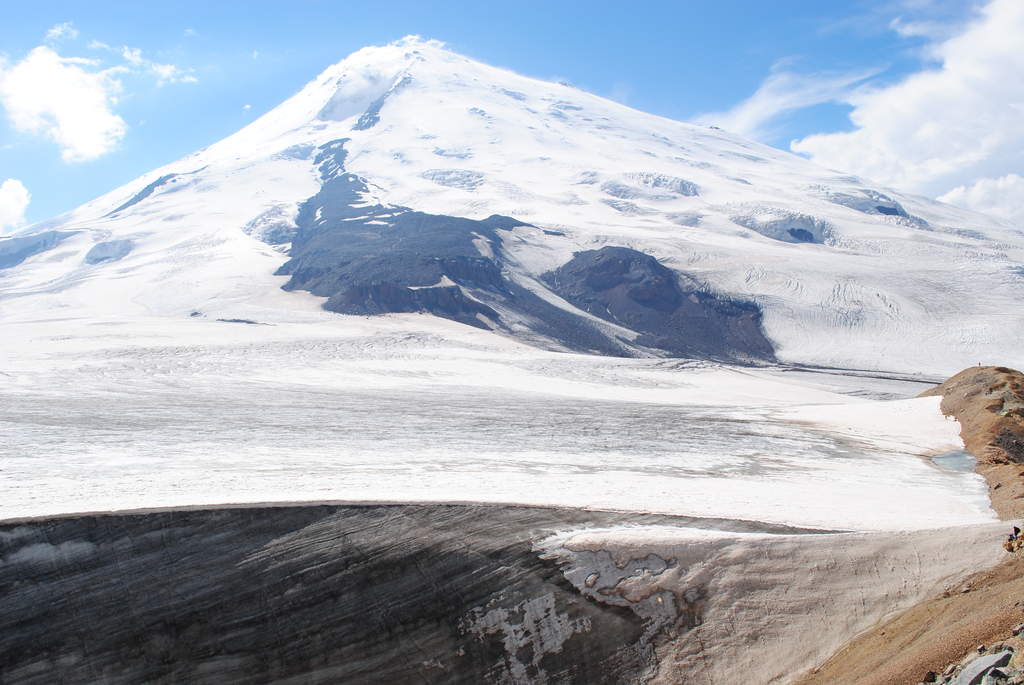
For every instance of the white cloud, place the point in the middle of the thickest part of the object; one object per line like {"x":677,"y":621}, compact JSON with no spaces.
{"x":190,"y":33}
{"x":246,"y":106}
{"x":66,"y":99}
{"x":1002,"y":197}
{"x":65,"y":30}
{"x":955,"y":126}
{"x":71,"y":100}
{"x":782,"y":92}
{"x":169,"y":73}
{"x":165,"y":73}
{"x":920,"y":29}
{"x":132,"y":56}
{"x":14,"y":199}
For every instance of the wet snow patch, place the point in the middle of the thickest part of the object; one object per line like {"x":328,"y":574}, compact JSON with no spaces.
{"x":629,"y":208}
{"x":463,"y":179}
{"x":673,"y":184}
{"x":275,"y":226}
{"x":453,"y":154}
{"x":787,"y":226}
{"x":14,"y":251}
{"x":960,"y":461}
{"x":109,"y":251}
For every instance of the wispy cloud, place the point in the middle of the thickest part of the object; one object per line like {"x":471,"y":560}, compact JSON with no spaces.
{"x":785,"y":91}
{"x":165,"y":73}
{"x":65,"y":30}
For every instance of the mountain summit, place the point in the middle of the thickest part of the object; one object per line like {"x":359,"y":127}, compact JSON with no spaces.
{"x":408,"y":178}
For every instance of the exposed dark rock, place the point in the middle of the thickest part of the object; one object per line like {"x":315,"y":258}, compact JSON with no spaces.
{"x":249,"y":322}
{"x":371,"y":116}
{"x":1012,"y":444}
{"x":150,"y":189}
{"x":144,"y":193}
{"x":634,"y":290}
{"x":373,"y":259}
{"x":14,"y":251}
{"x":382,"y":298}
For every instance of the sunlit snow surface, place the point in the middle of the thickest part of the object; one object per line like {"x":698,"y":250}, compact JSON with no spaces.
{"x":415,"y":408}
{"x":929,"y":288}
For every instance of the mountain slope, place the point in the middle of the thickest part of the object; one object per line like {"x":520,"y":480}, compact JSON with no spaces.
{"x":409,"y":178}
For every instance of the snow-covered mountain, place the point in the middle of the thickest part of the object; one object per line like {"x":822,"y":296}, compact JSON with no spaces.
{"x":407,"y":178}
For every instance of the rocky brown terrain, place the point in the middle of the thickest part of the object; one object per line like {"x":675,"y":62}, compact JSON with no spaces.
{"x":988,"y":401}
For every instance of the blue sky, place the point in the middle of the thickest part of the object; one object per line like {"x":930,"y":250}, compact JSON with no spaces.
{"x":179,"y":76}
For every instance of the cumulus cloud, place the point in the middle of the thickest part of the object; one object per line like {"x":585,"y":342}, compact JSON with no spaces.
{"x":952,"y":129}
{"x":1002,"y":197}
{"x":782,"y":92}
{"x":72,"y":100}
{"x":66,"y":99}
{"x":14,"y":199}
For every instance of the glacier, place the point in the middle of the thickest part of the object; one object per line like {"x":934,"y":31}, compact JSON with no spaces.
{"x":591,"y":248}
{"x":435,"y":299}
